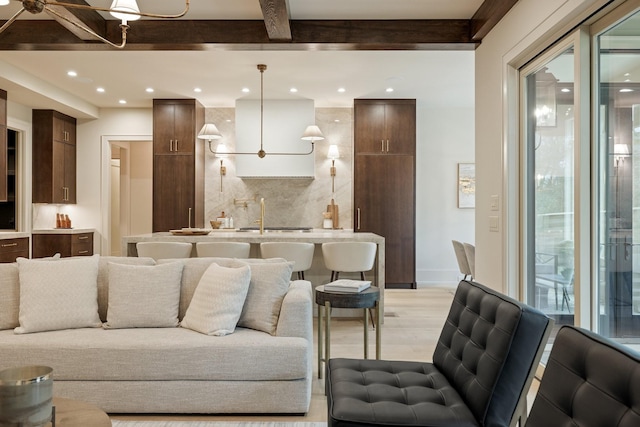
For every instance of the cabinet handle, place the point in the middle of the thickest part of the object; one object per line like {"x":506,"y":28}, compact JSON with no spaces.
{"x":387,"y":145}
{"x":9,"y":245}
{"x":83,"y":237}
{"x":82,"y":252}
{"x":382,"y":145}
{"x":176,"y":145}
{"x":171,"y":145}
{"x":358,"y":218}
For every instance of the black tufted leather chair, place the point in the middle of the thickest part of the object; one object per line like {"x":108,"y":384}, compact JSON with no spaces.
{"x":482,"y":368}
{"x":589,"y":381}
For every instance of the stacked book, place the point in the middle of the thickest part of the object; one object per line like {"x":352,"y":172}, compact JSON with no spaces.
{"x":347,"y":285}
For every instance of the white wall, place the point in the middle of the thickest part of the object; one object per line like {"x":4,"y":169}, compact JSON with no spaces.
{"x":528,"y":28}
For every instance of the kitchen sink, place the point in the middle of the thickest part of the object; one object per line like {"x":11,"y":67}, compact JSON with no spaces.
{"x":276,"y":229}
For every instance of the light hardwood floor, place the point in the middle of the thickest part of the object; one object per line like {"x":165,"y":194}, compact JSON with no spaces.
{"x":413,"y":321}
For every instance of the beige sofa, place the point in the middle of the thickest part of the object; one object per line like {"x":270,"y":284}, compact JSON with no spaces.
{"x":167,"y":369}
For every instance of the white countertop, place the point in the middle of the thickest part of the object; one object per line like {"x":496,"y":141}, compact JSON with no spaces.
{"x":63,"y":231}
{"x":13,"y":234}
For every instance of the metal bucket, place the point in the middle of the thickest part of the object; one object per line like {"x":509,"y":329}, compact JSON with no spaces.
{"x":26,"y":395}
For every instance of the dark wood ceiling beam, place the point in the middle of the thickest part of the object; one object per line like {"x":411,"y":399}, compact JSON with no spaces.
{"x":276,"y":19}
{"x":246,"y":35}
{"x":84,"y":17}
{"x":488,"y":15}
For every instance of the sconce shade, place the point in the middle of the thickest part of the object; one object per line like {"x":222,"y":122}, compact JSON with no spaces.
{"x":621,"y":149}
{"x":125,"y":6}
{"x":312,"y":133}
{"x":333,"y":152}
{"x":4,"y":2}
{"x":222,"y":151}
{"x":209,"y":131}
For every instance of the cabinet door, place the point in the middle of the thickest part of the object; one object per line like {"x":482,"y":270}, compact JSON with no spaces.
{"x":183,"y":129}
{"x":58,"y":191}
{"x":163,"y":134}
{"x":3,"y":147}
{"x":369,"y":128}
{"x":70,"y":173}
{"x":174,"y":191}
{"x":400,"y":131}
{"x":384,"y":203}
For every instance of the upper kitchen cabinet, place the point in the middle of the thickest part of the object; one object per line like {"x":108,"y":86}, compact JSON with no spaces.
{"x":3,"y":147}
{"x":54,"y":157}
{"x":385,"y":126}
{"x":178,"y":164}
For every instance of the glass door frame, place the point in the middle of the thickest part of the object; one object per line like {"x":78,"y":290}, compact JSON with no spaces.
{"x":579,"y":41}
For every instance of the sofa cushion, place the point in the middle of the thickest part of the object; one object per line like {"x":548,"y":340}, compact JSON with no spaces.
{"x":9,"y":295}
{"x":58,"y":294}
{"x":148,"y":354}
{"x":143,"y":296}
{"x":103,"y":278}
{"x":269,"y":284}
{"x":218,"y":300}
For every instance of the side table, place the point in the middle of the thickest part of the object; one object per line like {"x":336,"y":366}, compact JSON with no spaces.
{"x":73,"y":413}
{"x":326,"y":300}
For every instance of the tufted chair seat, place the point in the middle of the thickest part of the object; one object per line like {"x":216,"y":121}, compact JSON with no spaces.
{"x":482,"y":368}
{"x":589,"y":381}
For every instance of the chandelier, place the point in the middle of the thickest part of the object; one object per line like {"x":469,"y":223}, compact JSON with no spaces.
{"x":125,"y":10}
{"x":210,"y":132}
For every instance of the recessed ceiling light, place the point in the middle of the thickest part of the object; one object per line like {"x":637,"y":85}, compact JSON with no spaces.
{"x":72,"y":73}
{"x":337,"y":120}
{"x":123,"y":101}
{"x":100,"y":89}
{"x":626,"y":90}
{"x":565,"y":90}
{"x":342,"y":90}
{"x":293,"y":90}
{"x":149,"y":90}
{"x":245,"y":90}
{"x":627,"y":80}
{"x":389,"y":89}
{"x":197,"y":90}
{"x":627,"y":74}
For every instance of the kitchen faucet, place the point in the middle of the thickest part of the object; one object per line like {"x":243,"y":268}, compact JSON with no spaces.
{"x":261,"y":220}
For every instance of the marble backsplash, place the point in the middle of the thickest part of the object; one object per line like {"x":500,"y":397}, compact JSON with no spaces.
{"x":288,"y":202}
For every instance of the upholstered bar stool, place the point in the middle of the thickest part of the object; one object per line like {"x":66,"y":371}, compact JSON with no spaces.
{"x":348,"y":257}
{"x":162,"y":250}
{"x":298,"y":252}
{"x":223,"y":249}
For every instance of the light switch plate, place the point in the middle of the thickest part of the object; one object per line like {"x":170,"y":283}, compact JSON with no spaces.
{"x":494,"y":223}
{"x":495,"y":202}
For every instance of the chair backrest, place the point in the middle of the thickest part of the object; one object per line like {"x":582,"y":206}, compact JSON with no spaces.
{"x":300,"y":253}
{"x":470,"y":253}
{"x":223,"y":249}
{"x":589,"y":379}
{"x":162,"y":250}
{"x":349,"y":256}
{"x":489,"y":349}
{"x":461,"y":257}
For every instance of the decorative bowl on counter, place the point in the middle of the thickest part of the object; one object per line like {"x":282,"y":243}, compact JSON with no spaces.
{"x":215,"y":224}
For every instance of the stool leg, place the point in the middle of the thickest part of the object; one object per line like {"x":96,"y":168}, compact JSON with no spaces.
{"x":378,"y":332}
{"x":366,"y":335}
{"x":320,"y":343}
{"x":327,"y":346}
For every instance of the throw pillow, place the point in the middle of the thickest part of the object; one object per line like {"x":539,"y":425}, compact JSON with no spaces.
{"x":143,"y":296}
{"x":269,"y":284}
{"x":217,"y":301}
{"x":58,"y":294}
{"x":9,"y":296}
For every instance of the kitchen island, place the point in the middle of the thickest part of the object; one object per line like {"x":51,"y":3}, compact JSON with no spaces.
{"x":317,"y":274}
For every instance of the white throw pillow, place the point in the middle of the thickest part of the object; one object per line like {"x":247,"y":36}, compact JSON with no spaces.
{"x":143,"y":296}
{"x":269,"y":284}
{"x":218,"y":299}
{"x":60,"y":294}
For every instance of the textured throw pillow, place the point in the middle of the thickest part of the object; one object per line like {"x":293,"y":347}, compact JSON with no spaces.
{"x":9,"y":295}
{"x":218,"y":299}
{"x":269,"y":284}
{"x":143,"y":296}
{"x":59,"y":294}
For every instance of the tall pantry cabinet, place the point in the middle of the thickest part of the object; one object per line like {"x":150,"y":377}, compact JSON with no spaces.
{"x":384,"y":181}
{"x":178,"y":164}
{"x":4,"y":194}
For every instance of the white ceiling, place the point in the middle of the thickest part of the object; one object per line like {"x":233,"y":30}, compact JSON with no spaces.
{"x":39,"y":78}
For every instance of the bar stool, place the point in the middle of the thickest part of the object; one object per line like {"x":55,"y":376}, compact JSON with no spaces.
{"x":348,"y":257}
{"x":162,"y":250}
{"x":298,"y":252}
{"x":223,"y":249}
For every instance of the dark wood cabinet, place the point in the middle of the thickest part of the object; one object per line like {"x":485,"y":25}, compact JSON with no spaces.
{"x":66,"y":244}
{"x":384,"y":184}
{"x":178,"y":164}
{"x":54,"y":157}
{"x":10,"y":249}
{"x":385,"y":126}
{"x":4,"y":193}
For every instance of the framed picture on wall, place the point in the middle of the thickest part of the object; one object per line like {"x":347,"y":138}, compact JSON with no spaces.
{"x":466,"y":185}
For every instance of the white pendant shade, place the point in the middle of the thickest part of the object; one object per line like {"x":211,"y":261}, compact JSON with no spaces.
{"x":209,"y":131}
{"x":4,"y":2}
{"x":125,"y":6}
{"x":222,"y":151}
{"x":312,"y":133}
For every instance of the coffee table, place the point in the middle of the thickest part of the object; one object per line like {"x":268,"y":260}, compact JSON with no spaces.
{"x":74,"y":413}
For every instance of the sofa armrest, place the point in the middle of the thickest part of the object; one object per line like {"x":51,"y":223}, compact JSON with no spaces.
{"x":296,"y":316}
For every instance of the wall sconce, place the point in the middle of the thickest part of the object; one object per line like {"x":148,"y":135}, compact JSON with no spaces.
{"x":221,"y":153}
{"x":620,"y":151}
{"x":333,"y":154}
